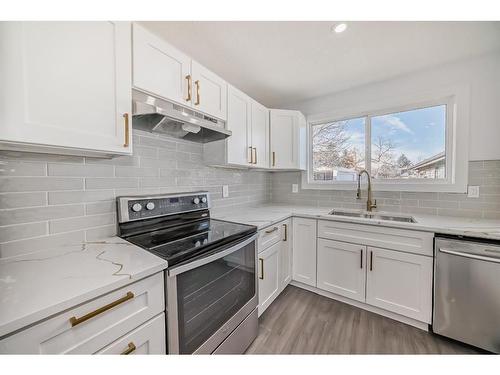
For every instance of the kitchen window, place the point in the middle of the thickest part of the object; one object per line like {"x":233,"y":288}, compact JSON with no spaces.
{"x":406,"y":148}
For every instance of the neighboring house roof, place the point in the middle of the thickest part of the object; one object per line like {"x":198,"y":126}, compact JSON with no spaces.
{"x":435,"y":159}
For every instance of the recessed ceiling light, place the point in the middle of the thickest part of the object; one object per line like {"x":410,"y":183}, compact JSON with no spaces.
{"x":339,"y":28}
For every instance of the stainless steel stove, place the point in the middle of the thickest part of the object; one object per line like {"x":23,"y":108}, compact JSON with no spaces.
{"x":211,"y":279}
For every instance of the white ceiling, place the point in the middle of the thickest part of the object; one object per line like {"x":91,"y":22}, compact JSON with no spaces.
{"x":279,"y":63}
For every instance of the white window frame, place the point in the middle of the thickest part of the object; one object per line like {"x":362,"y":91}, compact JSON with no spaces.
{"x":456,"y":100}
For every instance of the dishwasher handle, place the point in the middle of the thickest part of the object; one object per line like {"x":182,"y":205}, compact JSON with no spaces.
{"x":468,"y":255}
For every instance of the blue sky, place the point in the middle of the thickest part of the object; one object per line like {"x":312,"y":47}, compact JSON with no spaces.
{"x":418,"y":133}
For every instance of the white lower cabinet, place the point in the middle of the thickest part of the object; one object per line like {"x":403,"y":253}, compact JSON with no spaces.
{"x":285,"y":275}
{"x":149,"y":338}
{"x":342,"y":268}
{"x":400,"y":282}
{"x":304,"y":250}
{"x":269,"y":283}
{"x":91,"y":326}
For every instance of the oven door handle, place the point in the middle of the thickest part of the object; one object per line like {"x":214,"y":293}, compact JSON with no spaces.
{"x":200,"y":262}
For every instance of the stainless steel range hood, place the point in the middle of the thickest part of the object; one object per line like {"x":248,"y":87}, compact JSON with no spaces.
{"x":156,"y":115}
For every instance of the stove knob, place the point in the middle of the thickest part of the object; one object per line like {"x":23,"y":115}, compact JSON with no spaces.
{"x":204,"y":200}
{"x":150,"y":206}
{"x":136,"y":207}
{"x":196,"y":200}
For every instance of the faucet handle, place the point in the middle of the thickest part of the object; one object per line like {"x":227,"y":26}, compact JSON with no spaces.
{"x":374,"y":203}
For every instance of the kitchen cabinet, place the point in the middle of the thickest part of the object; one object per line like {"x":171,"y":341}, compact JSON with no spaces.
{"x":269,"y":283}
{"x":342,"y":268}
{"x":209,"y":91}
{"x":248,"y":146}
{"x":159,"y":68}
{"x":304,"y":250}
{"x":91,"y":326}
{"x":260,"y":134}
{"x":66,"y":87}
{"x":288,"y":139}
{"x":239,"y":148}
{"x":400,"y":282}
{"x":285,"y":275}
{"x":162,"y":70}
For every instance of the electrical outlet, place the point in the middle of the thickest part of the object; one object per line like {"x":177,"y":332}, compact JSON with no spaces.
{"x":295,"y":188}
{"x":473,"y":191}
{"x":225,"y":191}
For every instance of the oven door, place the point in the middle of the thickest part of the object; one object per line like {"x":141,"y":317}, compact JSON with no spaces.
{"x":208,"y":298}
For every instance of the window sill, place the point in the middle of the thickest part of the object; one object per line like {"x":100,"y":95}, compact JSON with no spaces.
{"x":400,"y":185}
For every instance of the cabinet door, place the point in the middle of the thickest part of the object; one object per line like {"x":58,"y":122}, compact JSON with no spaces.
{"x":342,"y":268}
{"x":286,"y":255}
{"x":149,"y":338}
{"x":160,"y":68}
{"x":268,"y":276}
{"x":238,"y":121}
{"x":66,"y":85}
{"x":209,"y":91}
{"x":304,"y":250}
{"x":260,"y":134}
{"x":284,"y":139}
{"x":400,"y":282}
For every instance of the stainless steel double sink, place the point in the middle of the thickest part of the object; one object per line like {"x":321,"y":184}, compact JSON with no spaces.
{"x":374,"y":216}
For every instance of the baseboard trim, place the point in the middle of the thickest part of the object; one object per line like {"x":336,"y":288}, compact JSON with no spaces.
{"x":388,"y":314}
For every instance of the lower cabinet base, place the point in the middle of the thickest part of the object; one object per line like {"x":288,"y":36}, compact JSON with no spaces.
{"x":400,"y":318}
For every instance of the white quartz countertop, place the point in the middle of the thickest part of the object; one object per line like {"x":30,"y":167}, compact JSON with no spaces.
{"x":266,"y":215}
{"x":37,"y":285}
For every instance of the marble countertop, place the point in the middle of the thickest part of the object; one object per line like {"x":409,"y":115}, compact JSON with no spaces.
{"x":37,"y":285}
{"x":265,"y":215}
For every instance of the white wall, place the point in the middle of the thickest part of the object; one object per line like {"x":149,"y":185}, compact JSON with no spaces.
{"x":481,"y":74}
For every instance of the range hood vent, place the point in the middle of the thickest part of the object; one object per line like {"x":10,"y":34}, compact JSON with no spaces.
{"x":156,"y":115}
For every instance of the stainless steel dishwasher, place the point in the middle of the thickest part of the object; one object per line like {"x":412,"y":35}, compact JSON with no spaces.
{"x":467,"y":291}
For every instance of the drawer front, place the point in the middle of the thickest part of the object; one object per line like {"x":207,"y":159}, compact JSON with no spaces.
{"x":57,"y":335}
{"x":389,"y":238}
{"x":269,"y":236}
{"x":149,"y":338}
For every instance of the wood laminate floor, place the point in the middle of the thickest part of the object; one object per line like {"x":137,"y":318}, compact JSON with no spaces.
{"x":302,"y":322}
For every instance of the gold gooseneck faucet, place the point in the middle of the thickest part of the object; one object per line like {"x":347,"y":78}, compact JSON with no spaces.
{"x":369,"y":203}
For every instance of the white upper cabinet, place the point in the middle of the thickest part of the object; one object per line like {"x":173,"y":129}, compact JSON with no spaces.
{"x":66,"y":86}
{"x":209,"y":91}
{"x":288,"y":134}
{"x":239,"y":147}
{"x":260,"y":135}
{"x":159,"y":68}
{"x":162,"y":70}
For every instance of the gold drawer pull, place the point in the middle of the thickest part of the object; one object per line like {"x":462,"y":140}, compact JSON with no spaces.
{"x":127,"y":130}
{"x":274,"y":159}
{"x":197,"y":83}
{"x":188,"y":78}
{"x":271,"y":230}
{"x":131,"y":347}
{"x":261,"y":268}
{"x":255,"y":159}
{"x":75,"y":321}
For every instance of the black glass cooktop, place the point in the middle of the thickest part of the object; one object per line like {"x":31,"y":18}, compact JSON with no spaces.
{"x":181,"y":242}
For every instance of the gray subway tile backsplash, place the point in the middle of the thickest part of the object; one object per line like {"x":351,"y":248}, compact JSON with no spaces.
{"x":46,"y":200}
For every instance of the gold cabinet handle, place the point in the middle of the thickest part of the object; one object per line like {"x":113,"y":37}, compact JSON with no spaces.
{"x":127,"y":130}
{"x":285,"y":231}
{"x":255,"y":159}
{"x":261,"y":268}
{"x":271,"y":230}
{"x":251,"y":155}
{"x":371,"y":260}
{"x":75,"y":321}
{"x":197,"y":83}
{"x":274,"y":159}
{"x":188,"y":78}
{"x":130,"y":348}
{"x":361,"y":259}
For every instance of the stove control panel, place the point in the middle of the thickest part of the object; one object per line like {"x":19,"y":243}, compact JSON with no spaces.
{"x":137,"y":208}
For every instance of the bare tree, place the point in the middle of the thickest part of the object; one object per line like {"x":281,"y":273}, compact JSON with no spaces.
{"x":383,"y":161}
